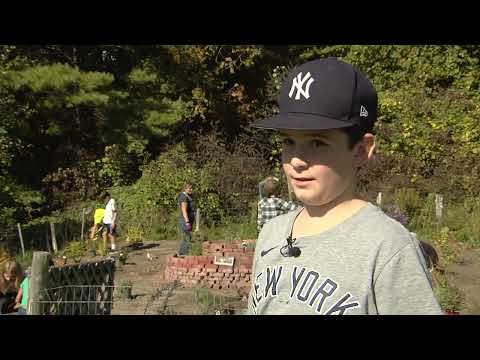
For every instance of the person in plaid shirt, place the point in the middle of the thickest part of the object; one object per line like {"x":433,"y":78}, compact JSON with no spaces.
{"x":272,"y":206}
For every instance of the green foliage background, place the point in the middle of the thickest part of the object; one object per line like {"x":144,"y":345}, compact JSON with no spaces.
{"x":140,"y":120}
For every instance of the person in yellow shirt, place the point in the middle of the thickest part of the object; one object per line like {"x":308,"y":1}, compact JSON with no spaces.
{"x":97,"y":223}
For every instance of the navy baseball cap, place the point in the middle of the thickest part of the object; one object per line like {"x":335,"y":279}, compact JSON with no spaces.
{"x":324,"y":94}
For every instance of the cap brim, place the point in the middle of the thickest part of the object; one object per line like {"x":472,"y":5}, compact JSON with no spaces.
{"x":300,"y":121}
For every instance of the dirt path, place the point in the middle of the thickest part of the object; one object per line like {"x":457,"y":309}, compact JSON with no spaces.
{"x":464,"y":274}
{"x":146,"y":276}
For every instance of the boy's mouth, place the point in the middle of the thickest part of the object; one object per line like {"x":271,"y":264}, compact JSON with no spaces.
{"x":301,"y":180}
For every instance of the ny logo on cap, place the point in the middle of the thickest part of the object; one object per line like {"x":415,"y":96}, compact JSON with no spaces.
{"x":298,"y":83}
{"x":363,"y":111}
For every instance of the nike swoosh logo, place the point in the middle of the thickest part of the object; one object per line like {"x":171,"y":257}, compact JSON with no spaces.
{"x":265,"y":252}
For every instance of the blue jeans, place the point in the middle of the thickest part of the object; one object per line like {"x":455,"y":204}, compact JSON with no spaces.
{"x":22,"y":311}
{"x":186,"y":239}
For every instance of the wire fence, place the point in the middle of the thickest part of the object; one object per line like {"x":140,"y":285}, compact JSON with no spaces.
{"x":76,"y":300}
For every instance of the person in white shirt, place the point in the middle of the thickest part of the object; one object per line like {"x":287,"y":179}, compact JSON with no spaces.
{"x":109,"y":221}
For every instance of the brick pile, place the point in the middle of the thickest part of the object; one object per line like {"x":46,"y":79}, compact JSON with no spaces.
{"x":201,"y":270}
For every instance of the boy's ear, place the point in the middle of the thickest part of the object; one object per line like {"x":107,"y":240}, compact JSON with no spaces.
{"x":364,"y":150}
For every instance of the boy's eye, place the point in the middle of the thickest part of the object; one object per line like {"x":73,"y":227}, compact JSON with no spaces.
{"x":318,"y":143}
{"x":287,"y":142}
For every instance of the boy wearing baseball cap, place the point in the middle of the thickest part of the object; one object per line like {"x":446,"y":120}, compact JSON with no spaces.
{"x":337,"y":254}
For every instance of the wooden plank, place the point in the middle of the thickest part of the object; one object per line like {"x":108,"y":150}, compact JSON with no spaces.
{"x":38,"y":282}
{"x":83,"y":223}
{"x":54,"y":238}
{"x":21,"y":238}
{"x":439,"y":206}
{"x":47,"y":239}
{"x":197,"y":220}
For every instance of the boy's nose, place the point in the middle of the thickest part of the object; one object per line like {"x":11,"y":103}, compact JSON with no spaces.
{"x":298,"y":163}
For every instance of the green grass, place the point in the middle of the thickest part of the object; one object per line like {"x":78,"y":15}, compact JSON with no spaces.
{"x":464,"y":223}
{"x":228,"y":232}
{"x":195,"y":248}
{"x":209,"y":302}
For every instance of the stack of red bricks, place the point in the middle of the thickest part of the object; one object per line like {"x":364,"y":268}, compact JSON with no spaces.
{"x":201,"y":270}
{"x":237,"y":248}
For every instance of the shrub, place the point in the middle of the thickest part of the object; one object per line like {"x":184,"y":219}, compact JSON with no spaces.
{"x":225,"y":186}
{"x":447,"y":295}
{"x":74,"y":250}
{"x":25,"y":260}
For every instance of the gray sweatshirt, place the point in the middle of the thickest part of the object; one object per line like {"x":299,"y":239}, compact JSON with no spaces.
{"x":368,"y":264}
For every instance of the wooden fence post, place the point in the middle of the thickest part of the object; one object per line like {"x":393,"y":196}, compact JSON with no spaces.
{"x":379,"y":199}
{"x":439,"y":207}
{"x":83,"y":223}
{"x":47,"y":239}
{"x":54,"y":238}
{"x":38,"y":282}
{"x":197,"y":220}
{"x":21,"y":238}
